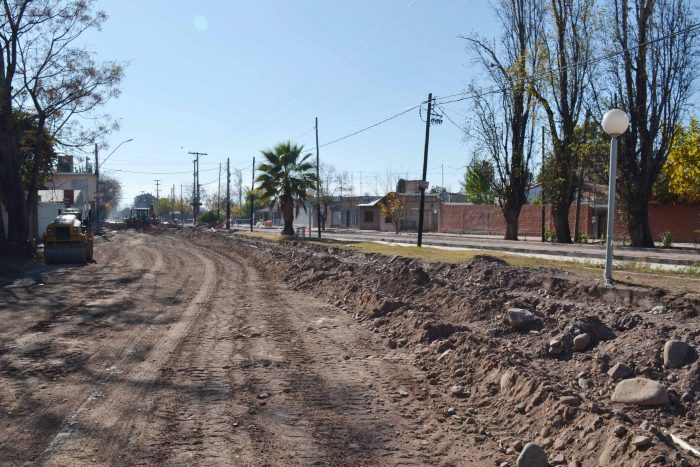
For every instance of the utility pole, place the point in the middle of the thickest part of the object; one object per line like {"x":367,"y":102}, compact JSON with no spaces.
{"x":97,"y":191}
{"x":425,"y":170}
{"x":172,"y":204}
{"x":195,"y":188}
{"x":228,"y":194}
{"x":157,"y":189}
{"x":442,"y":182}
{"x":544,"y":238}
{"x":218,"y":198}
{"x":318,"y":185}
{"x":239,"y":179}
{"x":182,"y":207}
{"x":252,"y":195}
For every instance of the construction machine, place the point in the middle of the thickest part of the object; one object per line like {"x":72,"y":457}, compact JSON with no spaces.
{"x":141,"y":217}
{"x":68,"y":239}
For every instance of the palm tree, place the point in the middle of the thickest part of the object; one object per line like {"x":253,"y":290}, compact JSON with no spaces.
{"x":285,"y":176}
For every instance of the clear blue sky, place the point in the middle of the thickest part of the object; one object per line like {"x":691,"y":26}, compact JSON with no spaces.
{"x":232,"y":77}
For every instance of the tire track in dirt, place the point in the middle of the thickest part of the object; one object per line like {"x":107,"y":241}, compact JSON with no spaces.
{"x":109,"y":409}
{"x":61,"y":344}
{"x":195,"y":403}
{"x":319,"y":411}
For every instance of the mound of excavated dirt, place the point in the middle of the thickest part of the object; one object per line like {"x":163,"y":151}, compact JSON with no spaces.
{"x":516,"y":354}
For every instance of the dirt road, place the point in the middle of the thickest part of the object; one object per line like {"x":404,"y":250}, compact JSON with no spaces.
{"x":167,"y":353}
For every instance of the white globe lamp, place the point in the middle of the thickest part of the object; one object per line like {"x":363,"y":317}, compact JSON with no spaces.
{"x":615,"y":123}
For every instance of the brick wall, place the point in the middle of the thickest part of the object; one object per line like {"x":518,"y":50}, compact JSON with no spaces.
{"x":681,"y":221}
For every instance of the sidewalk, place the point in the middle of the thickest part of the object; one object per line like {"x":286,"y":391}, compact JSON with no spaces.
{"x":680,"y":255}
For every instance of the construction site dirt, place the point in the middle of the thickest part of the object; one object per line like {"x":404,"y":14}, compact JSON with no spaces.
{"x":190,"y":347}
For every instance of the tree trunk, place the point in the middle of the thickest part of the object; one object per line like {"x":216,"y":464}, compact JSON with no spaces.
{"x":638,"y":224}
{"x":511,"y":214}
{"x":3,"y":237}
{"x":287,"y":209}
{"x":16,"y":208}
{"x":560,"y":216}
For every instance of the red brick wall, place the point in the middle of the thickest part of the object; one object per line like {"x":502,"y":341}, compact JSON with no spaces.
{"x":681,"y":221}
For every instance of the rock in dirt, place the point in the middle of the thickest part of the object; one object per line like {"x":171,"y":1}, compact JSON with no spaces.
{"x":659,"y":310}
{"x":555,"y":347}
{"x":620,"y":431}
{"x":675,"y":353}
{"x":620,"y":371}
{"x":457,"y":390}
{"x":532,"y":455}
{"x":420,"y":277}
{"x":641,"y":442}
{"x":507,"y":379}
{"x":640,"y":391}
{"x":582,"y":341}
{"x":520,"y":317}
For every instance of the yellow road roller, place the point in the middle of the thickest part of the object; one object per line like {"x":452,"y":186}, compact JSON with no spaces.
{"x":68,"y":239}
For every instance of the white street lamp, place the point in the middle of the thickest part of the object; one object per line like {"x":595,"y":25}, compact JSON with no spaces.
{"x":97,"y":181}
{"x":615,"y":123}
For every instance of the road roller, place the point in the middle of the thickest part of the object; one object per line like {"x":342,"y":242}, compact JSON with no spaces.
{"x":68,"y":239}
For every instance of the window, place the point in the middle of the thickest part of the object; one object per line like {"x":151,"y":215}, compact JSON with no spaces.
{"x":369,"y":216}
{"x":387,"y":220}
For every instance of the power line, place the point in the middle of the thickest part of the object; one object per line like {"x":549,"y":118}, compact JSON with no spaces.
{"x":367,"y":128}
{"x":158,"y":173}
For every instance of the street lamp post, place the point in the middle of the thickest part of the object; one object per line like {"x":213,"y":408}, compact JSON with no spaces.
{"x":97,"y":181}
{"x":615,"y":123}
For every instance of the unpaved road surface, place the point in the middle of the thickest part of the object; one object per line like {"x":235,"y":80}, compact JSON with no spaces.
{"x":164,"y":352}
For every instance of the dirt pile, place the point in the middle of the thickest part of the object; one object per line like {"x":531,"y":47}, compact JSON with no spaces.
{"x":547,"y":379}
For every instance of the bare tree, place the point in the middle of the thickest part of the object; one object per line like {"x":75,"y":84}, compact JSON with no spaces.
{"x":503,"y":126}
{"x":61,"y":82}
{"x":327,"y":189}
{"x":45,"y":79}
{"x":653,"y":79}
{"x":561,"y":87}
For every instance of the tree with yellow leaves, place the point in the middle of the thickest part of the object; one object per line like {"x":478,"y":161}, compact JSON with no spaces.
{"x":393,"y":207}
{"x":682,"y":168}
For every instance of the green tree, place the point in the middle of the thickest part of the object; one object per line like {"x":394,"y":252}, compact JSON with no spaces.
{"x":110,"y":195}
{"x":285,"y":176}
{"x":478,"y":182}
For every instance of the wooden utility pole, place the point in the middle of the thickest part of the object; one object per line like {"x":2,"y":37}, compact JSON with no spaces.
{"x":228,"y":194}
{"x":252,"y":195}
{"x":157,"y":189}
{"x":182,"y":207}
{"x":425,"y":170}
{"x":172,"y":205}
{"x":318,"y":184}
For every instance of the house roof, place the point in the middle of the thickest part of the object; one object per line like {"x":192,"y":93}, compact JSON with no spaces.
{"x":370,"y":203}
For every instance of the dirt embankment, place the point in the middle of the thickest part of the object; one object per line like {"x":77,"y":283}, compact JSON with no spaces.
{"x":501,"y":384}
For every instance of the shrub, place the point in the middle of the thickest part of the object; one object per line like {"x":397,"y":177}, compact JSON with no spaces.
{"x":667,"y":239}
{"x":550,"y":235}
